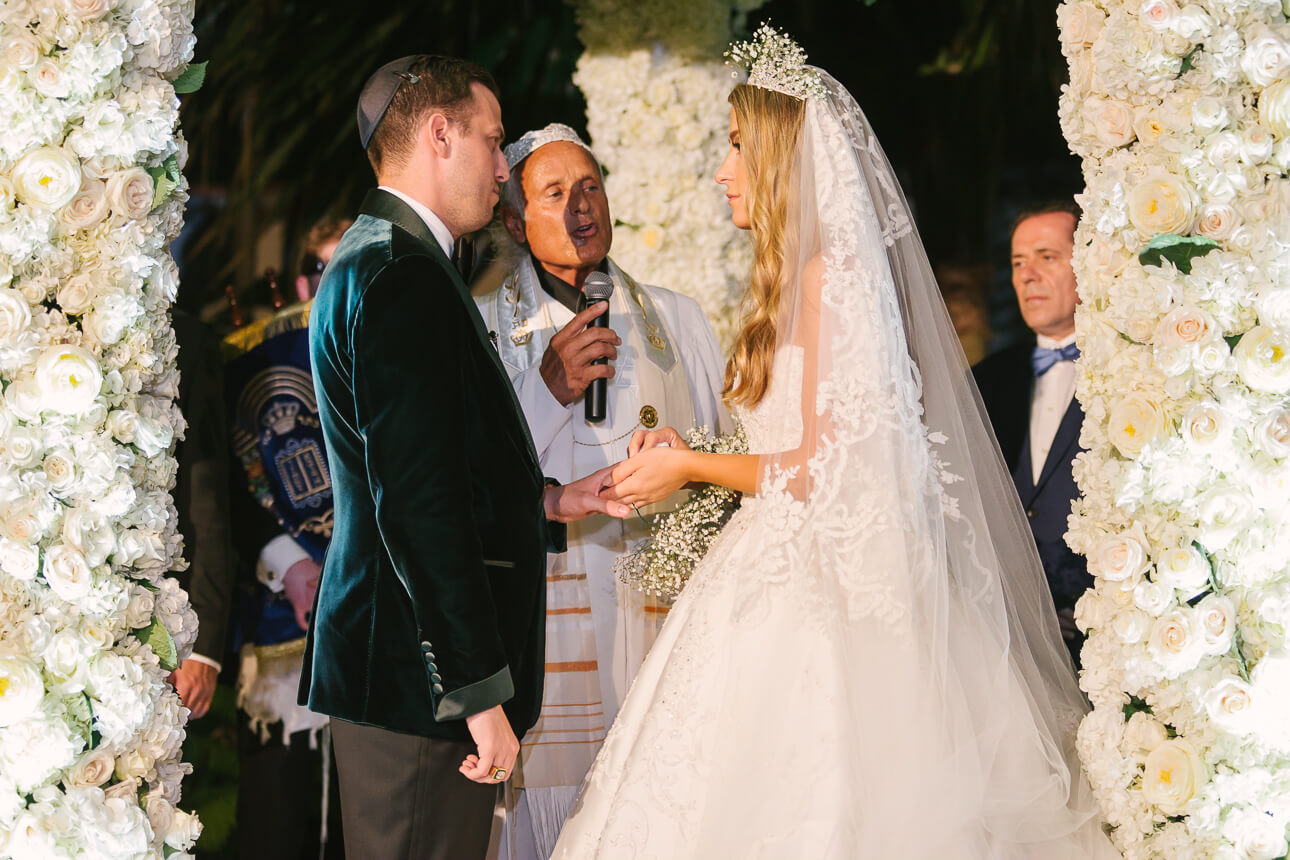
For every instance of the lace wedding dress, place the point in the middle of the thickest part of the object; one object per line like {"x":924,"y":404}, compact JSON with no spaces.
{"x":867,"y":663}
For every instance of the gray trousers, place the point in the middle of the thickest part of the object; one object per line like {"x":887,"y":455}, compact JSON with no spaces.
{"x":401,"y":797}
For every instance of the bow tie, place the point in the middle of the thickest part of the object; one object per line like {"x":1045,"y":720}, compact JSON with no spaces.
{"x":1042,"y":360}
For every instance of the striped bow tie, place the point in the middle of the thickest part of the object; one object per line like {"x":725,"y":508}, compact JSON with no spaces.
{"x":1042,"y":360}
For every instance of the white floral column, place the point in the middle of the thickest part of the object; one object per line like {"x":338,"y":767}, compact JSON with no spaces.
{"x":656,"y":90}
{"x":90,"y":625}
{"x":1181,"y":114}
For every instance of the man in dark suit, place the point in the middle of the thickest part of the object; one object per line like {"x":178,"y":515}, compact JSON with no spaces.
{"x":202,"y":502}
{"x":426,"y":642}
{"x":1029,"y":391}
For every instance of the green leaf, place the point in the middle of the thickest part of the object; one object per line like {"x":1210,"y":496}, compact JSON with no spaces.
{"x":1136,"y":705}
{"x":1234,"y":339}
{"x":1188,"y":62}
{"x":1179,"y":250}
{"x":190,"y":80}
{"x":157,"y":637}
{"x":165,"y":179}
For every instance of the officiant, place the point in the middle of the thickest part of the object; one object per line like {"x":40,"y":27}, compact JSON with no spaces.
{"x":664,"y":368}
{"x":1029,"y":392}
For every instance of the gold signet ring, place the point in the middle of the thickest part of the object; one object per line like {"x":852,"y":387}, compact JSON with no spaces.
{"x":497,"y":773}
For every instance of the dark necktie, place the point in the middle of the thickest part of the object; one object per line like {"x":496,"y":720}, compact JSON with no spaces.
{"x":1042,"y":360}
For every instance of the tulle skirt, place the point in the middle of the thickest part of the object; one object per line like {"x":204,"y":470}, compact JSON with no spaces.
{"x":771,"y":721}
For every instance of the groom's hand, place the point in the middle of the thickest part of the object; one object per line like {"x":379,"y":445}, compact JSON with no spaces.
{"x":567,"y":367}
{"x":498,"y":747}
{"x":582,"y":498}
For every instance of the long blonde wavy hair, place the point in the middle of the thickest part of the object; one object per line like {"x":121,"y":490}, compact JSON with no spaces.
{"x":769,"y":126}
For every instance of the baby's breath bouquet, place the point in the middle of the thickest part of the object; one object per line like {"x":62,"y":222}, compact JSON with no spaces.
{"x":661,"y":565}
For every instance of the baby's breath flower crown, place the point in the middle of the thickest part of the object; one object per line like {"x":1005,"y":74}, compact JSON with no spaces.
{"x":774,"y":61}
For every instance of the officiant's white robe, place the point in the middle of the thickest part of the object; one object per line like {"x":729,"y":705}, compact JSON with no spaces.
{"x":669,"y":371}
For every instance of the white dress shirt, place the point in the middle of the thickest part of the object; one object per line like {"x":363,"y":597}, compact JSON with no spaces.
{"x":1052,"y":397}
{"x":441,"y":233}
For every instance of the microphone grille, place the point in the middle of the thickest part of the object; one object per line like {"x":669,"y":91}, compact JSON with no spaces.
{"x":598,"y":287}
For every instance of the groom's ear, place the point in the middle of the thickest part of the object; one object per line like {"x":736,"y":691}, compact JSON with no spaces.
{"x":514,"y":222}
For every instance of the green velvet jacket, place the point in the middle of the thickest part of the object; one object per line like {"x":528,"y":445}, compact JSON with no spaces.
{"x":432,"y":601}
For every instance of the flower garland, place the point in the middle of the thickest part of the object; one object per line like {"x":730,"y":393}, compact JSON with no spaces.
{"x":1181,"y":114}
{"x":90,"y":625}
{"x":657,"y":114}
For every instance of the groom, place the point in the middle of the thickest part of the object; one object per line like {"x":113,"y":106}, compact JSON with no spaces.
{"x":426,"y":642}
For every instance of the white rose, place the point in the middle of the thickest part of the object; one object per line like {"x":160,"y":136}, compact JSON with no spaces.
{"x":1208,"y":114}
{"x":122,"y":424}
{"x":19,"y":559}
{"x":87,"y":10}
{"x":1184,"y":327}
{"x":1272,"y":304}
{"x":1147,"y":125}
{"x":1162,"y":204}
{"x":1260,"y":836}
{"x":76,"y":294}
{"x":1274,"y":108}
{"x":68,"y":379}
{"x":1080,"y":23}
{"x":1217,"y":221}
{"x":1112,"y":120}
{"x":1211,"y":357}
{"x":1184,"y":569}
{"x":92,"y":769}
{"x":47,"y":178}
{"x":47,"y":79}
{"x":87,"y":208}
{"x":21,"y":50}
{"x":22,"y":525}
{"x":1192,"y":23}
{"x":1217,"y":617}
{"x":60,"y":470}
{"x":1130,"y":626}
{"x":1266,"y":59}
{"x":1256,"y":145}
{"x":1263,"y":360}
{"x":129,"y":193}
{"x":1158,"y":14}
{"x":1090,"y":611}
{"x":1229,"y":704}
{"x":67,"y":572}
{"x":1175,"y":643}
{"x":21,"y":689}
{"x":1206,"y":425}
{"x":1153,"y":598}
{"x":1172,"y":775}
{"x":133,"y":764}
{"x":1143,"y":733}
{"x":126,"y":789}
{"x":1135,"y":421}
{"x":160,"y":812}
{"x":1272,"y":434}
{"x":15,"y":316}
{"x":1224,"y":511}
{"x":1121,"y":556}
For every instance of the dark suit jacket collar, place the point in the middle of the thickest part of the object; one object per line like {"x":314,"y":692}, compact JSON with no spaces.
{"x":384,"y":205}
{"x":1065,"y":443}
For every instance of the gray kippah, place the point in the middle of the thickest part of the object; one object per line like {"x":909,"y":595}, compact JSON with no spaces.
{"x":540,"y":137}
{"x":378,"y":92}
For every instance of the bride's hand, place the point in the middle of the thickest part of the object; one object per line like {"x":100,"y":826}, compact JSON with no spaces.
{"x":651,"y":475}
{"x":646,"y":439}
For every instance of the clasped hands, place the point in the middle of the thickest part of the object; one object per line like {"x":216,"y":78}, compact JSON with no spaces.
{"x":657,"y":465}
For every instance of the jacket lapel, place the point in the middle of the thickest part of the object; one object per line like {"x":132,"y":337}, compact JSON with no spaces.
{"x":1066,"y":439}
{"x":383,"y":205}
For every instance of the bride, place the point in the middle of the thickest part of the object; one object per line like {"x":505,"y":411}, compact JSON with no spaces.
{"x":867,"y":663}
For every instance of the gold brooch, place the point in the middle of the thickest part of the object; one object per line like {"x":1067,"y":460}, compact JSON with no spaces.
{"x":649,"y":417}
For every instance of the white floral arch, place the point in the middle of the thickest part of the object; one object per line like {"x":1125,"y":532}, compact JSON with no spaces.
{"x":90,"y":196}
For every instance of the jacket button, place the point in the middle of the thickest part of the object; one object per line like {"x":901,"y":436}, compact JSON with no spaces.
{"x":1030,"y":512}
{"x":425,"y":646}
{"x":433,"y":667}
{"x":438,"y":688}
{"x":434,"y":676}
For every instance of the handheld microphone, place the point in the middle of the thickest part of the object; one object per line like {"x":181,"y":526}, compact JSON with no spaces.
{"x":597,"y":288}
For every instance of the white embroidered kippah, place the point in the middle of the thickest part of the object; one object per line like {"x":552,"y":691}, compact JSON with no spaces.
{"x":533,"y":140}
{"x":774,"y":61}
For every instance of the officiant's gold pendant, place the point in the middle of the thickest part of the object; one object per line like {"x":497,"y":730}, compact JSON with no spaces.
{"x":657,"y":342}
{"x":649,"y":417}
